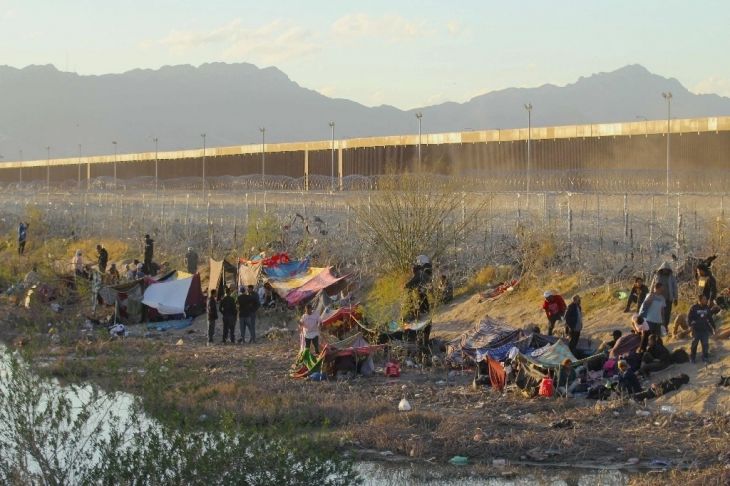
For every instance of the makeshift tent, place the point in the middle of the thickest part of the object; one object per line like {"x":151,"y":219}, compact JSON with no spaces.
{"x":354,"y":352}
{"x":127,"y":298}
{"x":307,"y":363}
{"x":248,"y":273}
{"x":323,"y":281}
{"x":222,"y":274}
{"x":283,"y":287}
{"x":553,"y":354}
{"x":488,"y":334}
{"x":175,"y":297}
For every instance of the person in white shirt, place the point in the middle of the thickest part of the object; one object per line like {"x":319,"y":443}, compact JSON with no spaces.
{"x":309,"y":324}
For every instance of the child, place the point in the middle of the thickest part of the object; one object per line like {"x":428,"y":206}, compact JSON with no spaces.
{"x":702,"y":325}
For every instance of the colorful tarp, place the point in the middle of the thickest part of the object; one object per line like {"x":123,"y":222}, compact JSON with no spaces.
{"x":283,"y":287}
{"x":323,"y":280}
{"x":488,"y":334}
{"x":287,"y":270}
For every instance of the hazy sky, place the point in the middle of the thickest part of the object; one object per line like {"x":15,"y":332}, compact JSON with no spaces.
{"x":406,"y":53}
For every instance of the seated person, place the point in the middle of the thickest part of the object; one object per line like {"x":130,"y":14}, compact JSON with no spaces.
{"x":655,"y":358}
{"x":566,"y":375}
{"x":628,"y":383}
{"x":607,"y":346}
{"x":680,"y":329}
{"x":581,"y":384}
{"x":638,"y":293}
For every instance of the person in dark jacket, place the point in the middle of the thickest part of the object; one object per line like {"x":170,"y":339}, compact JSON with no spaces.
{"x":655,"y":358}
{"x":22,"y":236}
{"x":149,"y":249}
{"x":638,"y":294}
{"x":702,"y":325}
{"x":627,"y":381}
{"x":706,"y":283}
{"x":229,"y":312}
{"x":212,"y":308}
{"x":574,"y":323}
{"x":554,"y":307}
{"x":103,"y":257}
{"x":191,"y":260}
{"x":248,"y":304}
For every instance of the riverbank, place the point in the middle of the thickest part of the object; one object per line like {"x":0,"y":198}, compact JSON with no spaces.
{"x":182,"y":380}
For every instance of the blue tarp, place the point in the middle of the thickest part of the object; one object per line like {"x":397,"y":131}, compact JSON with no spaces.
{"x":287,"y":270}
{"x":167,"y":325}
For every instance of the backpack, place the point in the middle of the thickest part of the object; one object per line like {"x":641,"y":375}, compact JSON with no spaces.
{"x":679,"y":356}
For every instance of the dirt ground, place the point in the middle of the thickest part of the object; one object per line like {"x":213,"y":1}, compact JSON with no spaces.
{"x":180,"y":378}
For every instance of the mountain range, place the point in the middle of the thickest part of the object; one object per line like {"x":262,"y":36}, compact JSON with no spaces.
{"x":41,"y":107}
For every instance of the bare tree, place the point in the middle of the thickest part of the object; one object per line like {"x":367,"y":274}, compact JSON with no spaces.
{"x":409,"y":215}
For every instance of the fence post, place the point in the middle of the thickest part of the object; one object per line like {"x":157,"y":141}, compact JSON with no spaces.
{"x":626,"y":218}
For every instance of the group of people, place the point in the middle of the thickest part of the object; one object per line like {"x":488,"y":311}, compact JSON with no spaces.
{"x":232,"y":307}
{"x":133,"y":271}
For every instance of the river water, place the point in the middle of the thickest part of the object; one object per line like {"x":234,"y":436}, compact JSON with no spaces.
{"x":376,"y":473}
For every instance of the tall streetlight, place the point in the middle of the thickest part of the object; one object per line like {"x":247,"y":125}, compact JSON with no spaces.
{"x":528,"y":107}
{"x":48,"y":171}
{"x":79,"y":183}
{"x":156,"y":173}
{"x":332,"y":165}
{"x":202,"y":135}
{"x":115,"y":164}
{"x":419,"y":116}
{"x":263,"y":155}
{"x":668,"y":96}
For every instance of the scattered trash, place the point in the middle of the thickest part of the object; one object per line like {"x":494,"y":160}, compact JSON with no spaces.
{"x":386,"y":453}
{"x":668,"y":409}
{"x":392,"y":369}
{"x":536,"y":454}
{"x":56,"y":307}
{"x":562,"y":424}
{"x":659,"y":463}
{"x":499,"y":462}
{"x":202,"y":418}
{"x":404,"y":406}
{"x":478,"y":435}
{"x":459,"y":461}
{"x":317,"y":376}
{"x":179,"y":342}
{"x":440,"y":383}
{"x":643,"y":413}
{"x":632,"y":460}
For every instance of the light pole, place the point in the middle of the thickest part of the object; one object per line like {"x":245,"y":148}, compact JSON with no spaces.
{"x":156,"y":173}
{"x":79,"y":184}
{"x":202,"y":135}
{"x":332,"y":165}
{"x":419,"y":116}
{"x":528,"y":107}
{"x":641,"y":117}
{"x":263,"y":155}
{"x":115,"y":164}
{"x":668,"y":96}
{"x":48,"y":171}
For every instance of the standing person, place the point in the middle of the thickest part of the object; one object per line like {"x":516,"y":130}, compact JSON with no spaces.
{"x":574,"y":323}
{"x":665,"y":276}
{"x":702,"y":325}
{"x":78,"y":264}
{"x":706,"y":283}
{"x":248,"y":304}
{"x":638,"y":293}
{"x":22,"y":236}
{"x":309,"y":325}
{"x":149,"y":248}
{"x":554,"y":307}
{"x":103,"y":257}
{"x":212,"y":308}
{"x":228,"y":311}
{"x":652,"y":311}
{"x":191,"y":260}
